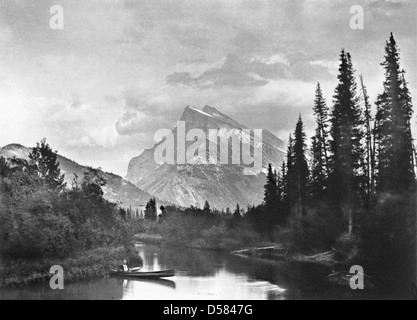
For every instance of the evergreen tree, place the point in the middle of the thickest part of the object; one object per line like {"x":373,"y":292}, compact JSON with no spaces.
{"x":393,"y":133}
{"x":206,"y":208}
{"x":347,"y":135}
{"x":237,"y":214}
{"x":320,"y":158}
{"x":47,"y":166}
{"x":286,"y":172}
{"x":321,"y":113}
{"x":318,"y":181}
{"x":150,"y":211}
{"x":299,"y":171}
{"x":369,"y":165}
{"x":271,"y":192}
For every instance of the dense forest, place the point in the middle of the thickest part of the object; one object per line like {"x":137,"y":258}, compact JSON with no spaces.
{"x":356,"y":186}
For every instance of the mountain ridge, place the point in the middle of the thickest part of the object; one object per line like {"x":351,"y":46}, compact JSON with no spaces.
{"x":117,"y":189}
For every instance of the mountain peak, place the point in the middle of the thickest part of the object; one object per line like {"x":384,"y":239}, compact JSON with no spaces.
{"x":210,"y":110}
{"x":192,"y":114}
{"x":208,"y":115}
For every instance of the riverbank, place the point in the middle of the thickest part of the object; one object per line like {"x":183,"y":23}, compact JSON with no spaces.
{"x":338,"y":270}
{"x":85,"y":265}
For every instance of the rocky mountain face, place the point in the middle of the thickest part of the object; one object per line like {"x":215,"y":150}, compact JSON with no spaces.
{"x":223,"y":185}
{"x":117,"y":189}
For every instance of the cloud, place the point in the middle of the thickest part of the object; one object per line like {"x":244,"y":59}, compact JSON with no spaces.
{"x":130,"y":123}
{"x":145,"y":115}
{"x":238,"y":73}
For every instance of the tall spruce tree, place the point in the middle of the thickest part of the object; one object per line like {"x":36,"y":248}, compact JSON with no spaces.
{"x":393,"y":133}
{"x":346,"y":145}
{"x":271,"y":191}
{"x":321,"y":113}
{"x":318,"y":181}
{"x":369,"y":159}
{"x":319,"y":170}
{"x":299,"y":172}
{"x":287,"y":178}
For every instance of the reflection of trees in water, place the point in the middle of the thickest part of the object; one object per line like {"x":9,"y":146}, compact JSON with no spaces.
{"x":300,"y":279}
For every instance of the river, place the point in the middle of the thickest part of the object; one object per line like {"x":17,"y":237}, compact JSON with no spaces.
{"x":200,"y":275}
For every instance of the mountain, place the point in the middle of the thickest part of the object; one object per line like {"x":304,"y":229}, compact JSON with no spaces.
{"x":117,"y":189}
{"x":222,"y":185}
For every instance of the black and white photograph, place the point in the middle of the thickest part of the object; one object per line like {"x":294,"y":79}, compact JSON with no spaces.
{"x":220,"y":151}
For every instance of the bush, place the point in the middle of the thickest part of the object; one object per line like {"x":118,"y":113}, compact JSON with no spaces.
{"x":36,"y":222}
{"x":388,"y":239}
{"x":347,"y":248}
{"x":317,"y":231}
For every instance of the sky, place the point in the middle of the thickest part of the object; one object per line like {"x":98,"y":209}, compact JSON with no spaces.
{"x":120,"y":70}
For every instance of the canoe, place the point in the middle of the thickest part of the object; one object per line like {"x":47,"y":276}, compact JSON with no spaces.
{"x":135,"y":269}
{"x":144,"y":275}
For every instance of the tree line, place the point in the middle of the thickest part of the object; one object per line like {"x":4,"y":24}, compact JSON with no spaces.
{"x":355,"y":157}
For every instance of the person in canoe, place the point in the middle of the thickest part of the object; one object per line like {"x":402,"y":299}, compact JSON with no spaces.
{"x":123,"y":267}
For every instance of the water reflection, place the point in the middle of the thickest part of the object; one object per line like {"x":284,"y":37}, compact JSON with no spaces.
{"x":222,"y":285}
{"x":199,"y":275}
{"x":269,"y":279}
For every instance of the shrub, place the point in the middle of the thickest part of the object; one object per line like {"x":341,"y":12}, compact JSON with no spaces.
{"x":318,"y":230}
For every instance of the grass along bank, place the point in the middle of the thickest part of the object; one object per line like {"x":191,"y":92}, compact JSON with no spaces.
{"x":85,"y":265}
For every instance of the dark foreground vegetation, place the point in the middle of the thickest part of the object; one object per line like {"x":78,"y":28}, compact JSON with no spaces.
{"x":44,"y":223}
